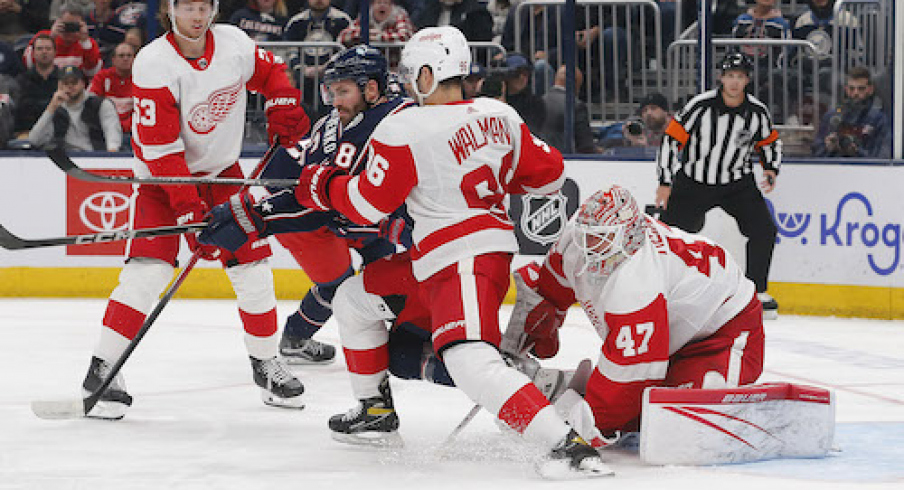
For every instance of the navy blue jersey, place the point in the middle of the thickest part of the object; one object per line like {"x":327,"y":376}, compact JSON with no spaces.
{"x":328,"y":143}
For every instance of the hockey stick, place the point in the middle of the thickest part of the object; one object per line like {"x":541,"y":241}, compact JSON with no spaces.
{"x":62,"y":160}
{"x":73,"y":408}
{"x":13,"y":242}
{"x":464,"y":423}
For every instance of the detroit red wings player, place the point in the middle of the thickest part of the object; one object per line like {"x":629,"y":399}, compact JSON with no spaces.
{"x":189,"y":93}
{"x":452,"y":162}
{"x":673,"y":308}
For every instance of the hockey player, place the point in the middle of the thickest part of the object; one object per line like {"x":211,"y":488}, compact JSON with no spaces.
{"x":452,"y":162}
{"x":356,"y":83}
{"x":189,"y":89}
{"x":672,"y":308}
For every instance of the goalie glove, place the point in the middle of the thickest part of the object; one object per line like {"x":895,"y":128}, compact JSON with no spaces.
{"x":535,"y":321}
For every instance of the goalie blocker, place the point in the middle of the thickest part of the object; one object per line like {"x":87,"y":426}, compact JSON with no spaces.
{"x":736,"y":425}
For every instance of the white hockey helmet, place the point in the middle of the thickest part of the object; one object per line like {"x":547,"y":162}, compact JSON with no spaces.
{"x":444,"y":49}
{"x":215,"y":4}
{"x":608,"y":229}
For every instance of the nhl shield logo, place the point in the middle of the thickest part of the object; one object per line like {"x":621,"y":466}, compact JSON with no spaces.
{"x":540,"y":220}
{"x":543,"y":217}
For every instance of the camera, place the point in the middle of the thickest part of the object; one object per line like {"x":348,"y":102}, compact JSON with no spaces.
{"x":849,"y":137}
{"x":634,"y":127}
{"x":71,"y":27}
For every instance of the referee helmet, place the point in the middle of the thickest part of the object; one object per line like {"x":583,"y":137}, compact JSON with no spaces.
{"x":736,"y":61}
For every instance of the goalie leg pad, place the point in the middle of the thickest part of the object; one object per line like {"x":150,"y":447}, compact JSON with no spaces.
{"x":736,"y":425}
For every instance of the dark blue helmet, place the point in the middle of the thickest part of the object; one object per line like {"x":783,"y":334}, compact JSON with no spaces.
{"x":736,"y":61}
{"x":359,"y":63}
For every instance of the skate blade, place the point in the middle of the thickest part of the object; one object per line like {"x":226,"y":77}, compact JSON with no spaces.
{"x":388,"y":440}
{"x":560,"y":469}
{"x":770,"y":315}
{"x":275,"y":401}
{"x":108,"y":411}
{"x":301,"y":361}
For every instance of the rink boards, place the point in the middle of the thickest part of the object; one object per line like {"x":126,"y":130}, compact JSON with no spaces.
{"x":838,"y":250}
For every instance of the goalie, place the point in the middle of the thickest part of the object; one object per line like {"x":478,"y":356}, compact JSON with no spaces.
{"x":673,"y":310}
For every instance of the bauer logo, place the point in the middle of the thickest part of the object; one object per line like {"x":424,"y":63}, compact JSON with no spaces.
{"x":852,"y":223}
{"x":93,"y":207}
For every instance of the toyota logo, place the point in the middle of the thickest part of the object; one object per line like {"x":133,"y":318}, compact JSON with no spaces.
{"x":101,"y":211}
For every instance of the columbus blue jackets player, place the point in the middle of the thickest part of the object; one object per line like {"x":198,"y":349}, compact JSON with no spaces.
{"x":357,"y":84}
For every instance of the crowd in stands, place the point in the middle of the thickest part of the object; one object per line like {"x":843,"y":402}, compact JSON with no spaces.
{"x":38,"y":38}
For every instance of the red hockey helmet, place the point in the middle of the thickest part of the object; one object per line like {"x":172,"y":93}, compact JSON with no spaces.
{"x":608,"y":229}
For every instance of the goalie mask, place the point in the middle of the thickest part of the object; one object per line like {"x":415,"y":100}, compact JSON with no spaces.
{"x":443,"y":49}
{"x":608,"y":229}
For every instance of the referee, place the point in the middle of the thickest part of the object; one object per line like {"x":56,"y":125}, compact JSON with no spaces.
{"x":705,"y":162}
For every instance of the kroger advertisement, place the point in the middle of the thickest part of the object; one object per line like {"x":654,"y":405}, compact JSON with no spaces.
{"x":837,"y":224}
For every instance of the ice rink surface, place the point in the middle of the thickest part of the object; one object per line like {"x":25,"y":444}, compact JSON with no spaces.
{"x":198,"y":423}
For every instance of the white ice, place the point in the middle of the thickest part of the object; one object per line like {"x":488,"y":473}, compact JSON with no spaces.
{"x":198,"y":423}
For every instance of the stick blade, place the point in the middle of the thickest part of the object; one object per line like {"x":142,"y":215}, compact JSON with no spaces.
{"x":8,"y":240}
{"x":59,"y":409}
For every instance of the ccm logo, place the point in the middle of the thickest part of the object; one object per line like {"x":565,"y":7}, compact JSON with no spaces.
{"x":111,"y":236}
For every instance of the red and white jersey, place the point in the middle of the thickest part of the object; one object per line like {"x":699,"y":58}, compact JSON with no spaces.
{"x":193,"y":110}
{"x":84,"y":54}
{"x":452,"y":165}
{"x":676,"y":289}
{"x":107,"y":83}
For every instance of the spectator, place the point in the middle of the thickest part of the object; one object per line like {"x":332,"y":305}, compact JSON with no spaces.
{"x":21,"y":17}
{"x":350,"y":7}
{"x":471,"y":84}
{"x":388,"y":23}
{"x":320,"y":22}
{"x":765,"y":21}
{"x":6,"y":118}
{"x":73,"y":45}
{"x":109,"y":23}
{"x":857,"y":128}
{"x":37,"y":84}
{"x":499,"y":11}
{"x":135,"y":37}
{"x":10,"y":64}
{"x":553,"y":131}
{"x":649,"y":129}
{"x":262,"y":20}
{"x":468,"y":16}
{"x":537,"y":32}
{"x":76,"y":119}
{"x":519,"y":95}
{"x":115,"y":84}
{"x":819,"y":25}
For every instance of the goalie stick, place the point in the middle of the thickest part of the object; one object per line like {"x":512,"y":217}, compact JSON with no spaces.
{"x":10,"y":241}
{"x":64,"y":163}
{"x":74,"y":408}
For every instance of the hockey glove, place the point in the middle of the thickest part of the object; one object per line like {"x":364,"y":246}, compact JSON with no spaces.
{"x":232,"y":224}
{"x":193,"y":213}
{"x":286,"y":118}
{"x":396,"y":229}
{"x":542,"y":329}
{"x":312,"y":186}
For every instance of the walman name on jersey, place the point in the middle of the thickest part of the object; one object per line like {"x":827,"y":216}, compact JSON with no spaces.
{"x":468,"y":140}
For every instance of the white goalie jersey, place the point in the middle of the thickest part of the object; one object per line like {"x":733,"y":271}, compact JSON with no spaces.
{"x":677,"y":288}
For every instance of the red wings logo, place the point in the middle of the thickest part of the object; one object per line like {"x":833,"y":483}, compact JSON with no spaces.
{"x":205,"y":115}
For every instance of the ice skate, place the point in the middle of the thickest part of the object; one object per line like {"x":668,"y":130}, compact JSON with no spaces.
{"x":573,"y":458}
{"x":770,"y":306}
{"x":373,"y":422}
{"x":295,"y":350}
{"x":115,"y":400}
{"x":279,"y":387}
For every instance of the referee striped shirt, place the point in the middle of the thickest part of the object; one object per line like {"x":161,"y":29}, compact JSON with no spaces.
{"x":713,"y":143}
